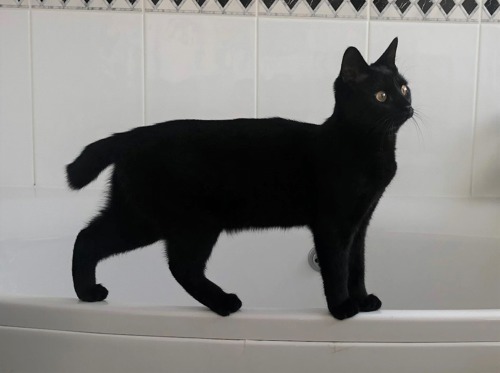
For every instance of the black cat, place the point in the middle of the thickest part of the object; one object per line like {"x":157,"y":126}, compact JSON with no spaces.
{"x":186,"y":181}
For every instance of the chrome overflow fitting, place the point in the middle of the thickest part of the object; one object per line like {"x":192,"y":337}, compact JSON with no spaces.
{"x":313,"y":260}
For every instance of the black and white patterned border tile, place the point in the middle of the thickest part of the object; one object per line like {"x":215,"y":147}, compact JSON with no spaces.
{"x":127,"y":5}
{"x":350,"y":9}
{"x":14,"y":3}
{"x":234,"y":7}
{"x":426,"y":10}
{"x":491,"y":11}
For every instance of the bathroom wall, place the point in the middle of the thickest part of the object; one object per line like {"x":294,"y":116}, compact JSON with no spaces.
{"x":76,"y":70}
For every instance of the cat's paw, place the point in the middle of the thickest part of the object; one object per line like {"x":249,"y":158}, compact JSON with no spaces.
{"x":370,"y":303}
{"x":344,"y":310}
{"x":227,"y":305}
{"x":96,"y":293}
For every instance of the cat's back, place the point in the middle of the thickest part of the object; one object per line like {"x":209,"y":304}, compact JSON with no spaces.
{"x":257,"y":128}
{"x":212,"y":137}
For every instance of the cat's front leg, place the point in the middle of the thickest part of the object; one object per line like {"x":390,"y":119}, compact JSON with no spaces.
{"x":332,"y":247}
{"x":356,"y":283}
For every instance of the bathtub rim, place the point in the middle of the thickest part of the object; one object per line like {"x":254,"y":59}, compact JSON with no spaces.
{"x":313,"y":325}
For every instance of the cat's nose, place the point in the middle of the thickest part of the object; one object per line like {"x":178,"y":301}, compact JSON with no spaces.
{"x":409,"y":110}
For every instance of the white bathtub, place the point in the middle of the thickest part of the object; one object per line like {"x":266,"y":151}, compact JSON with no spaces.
{"x":435,"y":263}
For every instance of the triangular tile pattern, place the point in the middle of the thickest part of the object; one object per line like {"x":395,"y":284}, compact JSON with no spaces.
{"x":73,"y":4}
{"x":166,"y":6}
{"x":302,"y":9}
{"x":491,"y":11}
{"x":315,"y":8}
{"x":189,"y":6}
{"x":98,"y":4}
{"x":251,"y":10}
{"x":346,"y":10}
{"x":396,"y":10}
{"x":211,"y":7}
{"x":447,"y":6}
{"x":150,"y":5}
{"x":413,"y":13}
{"x":279,"y":9}
{"x":390,"y":11}
{"x":290,"y":4}
{"x":434,"y":13}
{"x":335,"y":4}
{"x":458,"y":14}
{"x":402,"y":6}
{"x":313,"y":4}
{"x":324,"y":10}
{"x":13,"y":4}
{"x":380,"y":5}
{"x":123,"y":5}
{"x":52,"y":4}
{"x":234,"y":7}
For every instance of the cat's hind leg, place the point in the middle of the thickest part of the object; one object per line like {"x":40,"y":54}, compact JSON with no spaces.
{"x":103,"y":237}
{"x":188,"y":250}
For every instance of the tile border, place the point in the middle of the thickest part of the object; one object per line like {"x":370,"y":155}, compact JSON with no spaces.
{"x":455,"y":11}
{"x":225,"y":7}
{"x":427,"y":10}
{"x":106,"y":5}
{"x":14,"y":4}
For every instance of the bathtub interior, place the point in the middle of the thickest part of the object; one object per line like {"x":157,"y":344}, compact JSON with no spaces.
{"x":435,"y":265}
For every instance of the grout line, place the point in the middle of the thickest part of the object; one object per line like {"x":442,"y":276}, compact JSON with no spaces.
{"x":256,"y":83}
{"x":144,"y":123}
{"x":367,"y":41}
{"x":33,"y":142}
{"x":475,"y":99}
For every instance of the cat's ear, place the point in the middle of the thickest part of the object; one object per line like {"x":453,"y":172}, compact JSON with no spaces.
{"x":388,"y":58}
{"x":354,"y":67}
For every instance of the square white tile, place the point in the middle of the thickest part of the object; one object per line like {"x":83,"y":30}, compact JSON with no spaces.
{"x":87,"y":71}
{"x":200,"y":67}
{"x":298,"y":63}
{"x":16,"y":145}
{"x":486,"y":181}
{"x":439,"y":62}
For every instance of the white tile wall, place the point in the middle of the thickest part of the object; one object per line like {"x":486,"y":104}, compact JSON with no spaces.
{"x":298,"y":63}
{"x":16,"y":147}
{"x":487,"y":135}
{"x":89,"y":81}
{"x":439,"y":61}
{"x":199,"y":67}
{"x":87,"y":70}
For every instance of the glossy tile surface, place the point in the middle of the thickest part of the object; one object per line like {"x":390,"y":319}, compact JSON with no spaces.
{"x":199,"y":67}
{"x":16,"y":145}
{"x":87,"y":84}
{"x":486,"y":181}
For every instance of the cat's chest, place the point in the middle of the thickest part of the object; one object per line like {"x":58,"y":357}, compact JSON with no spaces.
{"x":374,"y":173}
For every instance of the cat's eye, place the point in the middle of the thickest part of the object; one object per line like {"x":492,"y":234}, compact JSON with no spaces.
{"x":404,"y":90}
{"x":381,"y":96}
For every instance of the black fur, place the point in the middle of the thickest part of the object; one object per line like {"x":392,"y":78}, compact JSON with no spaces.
{"x":187,"y":181}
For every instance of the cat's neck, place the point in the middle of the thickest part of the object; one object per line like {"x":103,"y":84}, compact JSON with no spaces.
{"x":359,"y":133}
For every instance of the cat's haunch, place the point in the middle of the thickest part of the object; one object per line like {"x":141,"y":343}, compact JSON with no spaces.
{"x":186,"y":181}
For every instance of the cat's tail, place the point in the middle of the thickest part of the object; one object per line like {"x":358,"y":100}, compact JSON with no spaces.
{"x":92,"y":161}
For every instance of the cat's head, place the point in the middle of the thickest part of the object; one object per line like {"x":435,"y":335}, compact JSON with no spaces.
{"x":374,"y":96}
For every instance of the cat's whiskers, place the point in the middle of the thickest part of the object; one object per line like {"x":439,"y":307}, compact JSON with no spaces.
{"x":415,"y":119}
